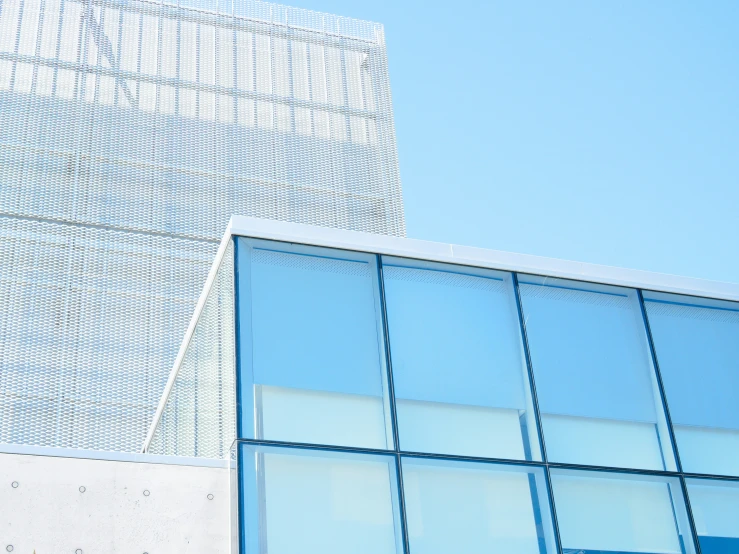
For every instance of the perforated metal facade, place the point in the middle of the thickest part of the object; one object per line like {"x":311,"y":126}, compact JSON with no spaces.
{"x":129,"y":133}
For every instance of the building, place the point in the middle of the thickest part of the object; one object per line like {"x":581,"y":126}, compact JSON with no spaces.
{"x":392,"y":395}
{"x":130,"y":132}
{"x":339,"y":391}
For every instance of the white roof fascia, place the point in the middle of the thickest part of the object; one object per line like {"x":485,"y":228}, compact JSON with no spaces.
{"x":477,"y":257}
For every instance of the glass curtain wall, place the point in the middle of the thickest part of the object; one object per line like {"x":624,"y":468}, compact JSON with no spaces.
{"x":461,"y":382}
{"x":697,"y":347}
{"x":396,"y":405}
{"x":598,"y":394}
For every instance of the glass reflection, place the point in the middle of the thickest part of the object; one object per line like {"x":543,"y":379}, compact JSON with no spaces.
{"x":598,"y":394}
{"x":317,"y":502}
{"x":697,"y":346}
{"x":600,"y":512}
{"x":715,"y":506}
{"x":474,"y":507}
{"x":312,"y":360}
{"x":461,"y":382}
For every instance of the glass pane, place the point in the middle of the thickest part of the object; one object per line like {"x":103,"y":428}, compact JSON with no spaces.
{"x":715,"y":506}
{"x":697,"y":346}
{"x":316,"y":502}
{"x":597,"y":390}
{"x":473,"y":507}
{"x":311,"y":354}
{"x":460,"y":377}
{"x":605,"y":512}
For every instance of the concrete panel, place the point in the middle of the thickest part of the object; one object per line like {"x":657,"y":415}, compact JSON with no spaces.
{"x":54,"y":505}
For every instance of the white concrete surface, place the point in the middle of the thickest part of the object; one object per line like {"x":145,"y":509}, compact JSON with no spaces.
{"x":125,"y":506}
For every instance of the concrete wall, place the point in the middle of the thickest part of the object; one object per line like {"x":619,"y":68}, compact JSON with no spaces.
{"x":57,"y":505}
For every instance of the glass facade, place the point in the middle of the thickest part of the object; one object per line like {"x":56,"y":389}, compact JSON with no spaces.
{"x":697,"y":346}
{"x":598,"y":395}
{"x":397,"y":405}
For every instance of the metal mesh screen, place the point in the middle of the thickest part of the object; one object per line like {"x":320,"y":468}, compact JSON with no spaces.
{"x":90,"y":322}
{"x":162,"y":118}
{"x":199,"y":418}
{"x":129,"y":133}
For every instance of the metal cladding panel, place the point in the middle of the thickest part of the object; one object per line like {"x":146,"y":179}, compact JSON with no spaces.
{"x":199,"y":418}
{"x":155,"y":117}
{"x":129,"y":133}
{"x":91,"y":320}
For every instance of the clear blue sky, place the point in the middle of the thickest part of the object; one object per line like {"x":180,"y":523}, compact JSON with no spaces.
{"x":599,"y":131}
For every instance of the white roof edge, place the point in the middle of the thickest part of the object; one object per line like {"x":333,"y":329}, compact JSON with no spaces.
{"x":477,"y":257}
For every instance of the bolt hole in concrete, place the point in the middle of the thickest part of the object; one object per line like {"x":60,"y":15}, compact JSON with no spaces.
{"x":210,"y":497}
{"x":9,"y":548}
{"x":78,"y":551}
{"x":82,"y":489}
{"x":14,"y":484}
{"x":146,"y":493}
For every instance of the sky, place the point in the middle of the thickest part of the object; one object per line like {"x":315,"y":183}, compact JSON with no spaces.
{"x":596,"y":131}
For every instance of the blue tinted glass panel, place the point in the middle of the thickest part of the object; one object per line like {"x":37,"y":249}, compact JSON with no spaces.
{"x":715,"y":506}
{"x":461,"y":382}
{"x":607,"y":512}
{"x":697,"y":347}
{"x":598,"y":394}
{"x":476,"y":507}
{"x":311,"y":354}
{"x":315,"y":502}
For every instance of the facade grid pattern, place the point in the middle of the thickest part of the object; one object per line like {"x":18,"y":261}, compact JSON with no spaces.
{"x":676,"y":473}
{"x":131,"y":131}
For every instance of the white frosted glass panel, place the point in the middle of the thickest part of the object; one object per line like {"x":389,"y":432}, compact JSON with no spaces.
{"x":707,"y":450}
{"x":459,"y":429}
{"x":621,"y":515}
{"x":472,"y":509}
{"x":456,"y":348}
{"x":591,"y":359}
{"x":602,"y":442}
{"x":295,"y":415}
{"x":327,"y":506}
{"x":310,"y":321}
{"x":697,"y":347}
{"x":715,"y":506}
